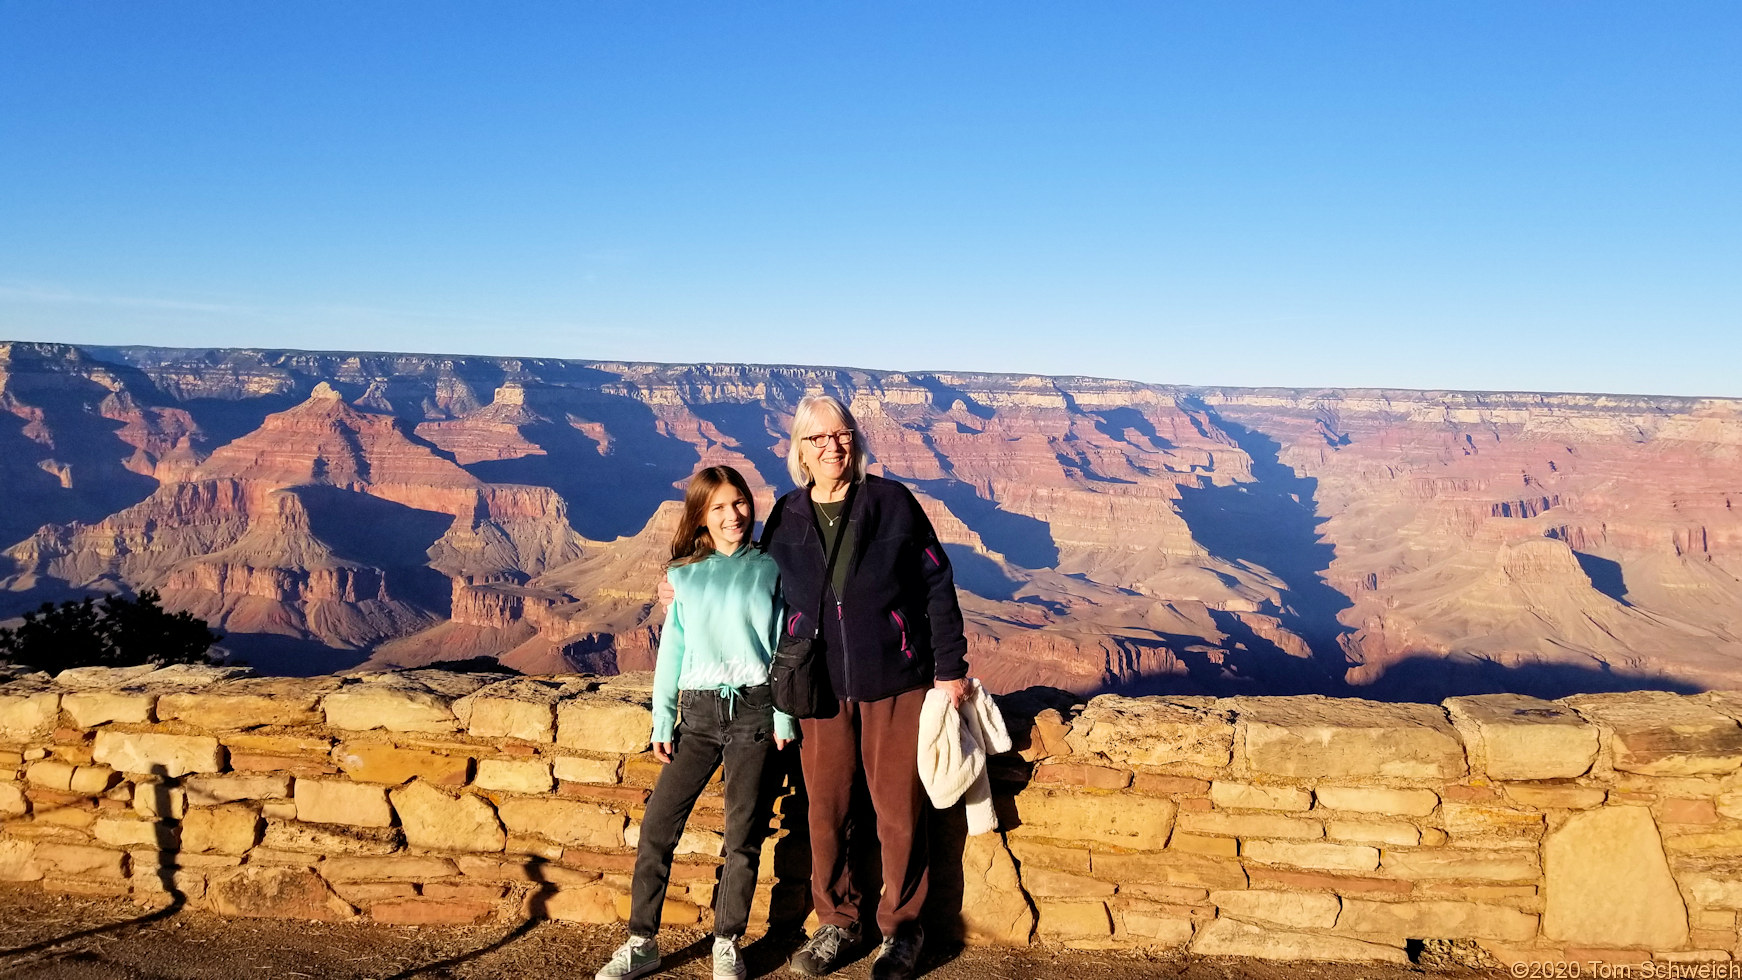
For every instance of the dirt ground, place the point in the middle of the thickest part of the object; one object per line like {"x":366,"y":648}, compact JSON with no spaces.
{"x":47,"y":937}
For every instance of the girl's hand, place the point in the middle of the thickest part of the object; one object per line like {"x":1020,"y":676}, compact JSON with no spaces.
{"x":781,"y":743}
{"x":662,"y":752}
{"x":666,"y":593}
{"x":958,"y":690}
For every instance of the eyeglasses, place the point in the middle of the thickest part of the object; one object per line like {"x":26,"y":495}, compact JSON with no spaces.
{"x":843,"y":438}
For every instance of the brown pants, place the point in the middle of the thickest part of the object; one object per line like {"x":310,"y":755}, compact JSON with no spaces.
{"x":880,"y":738}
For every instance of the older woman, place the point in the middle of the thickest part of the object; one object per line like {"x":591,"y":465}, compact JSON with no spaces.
{"x":891,"y":630}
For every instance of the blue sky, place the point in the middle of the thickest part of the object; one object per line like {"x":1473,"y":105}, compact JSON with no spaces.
{"x":1507,"y":195}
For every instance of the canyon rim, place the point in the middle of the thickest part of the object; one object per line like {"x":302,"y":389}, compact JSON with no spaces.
{"x":329,"y":511}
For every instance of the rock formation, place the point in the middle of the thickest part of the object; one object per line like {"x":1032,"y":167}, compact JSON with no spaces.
{"x":324,"y":509}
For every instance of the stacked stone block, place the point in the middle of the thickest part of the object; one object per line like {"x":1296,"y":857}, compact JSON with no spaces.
{"x":1597,"y":827}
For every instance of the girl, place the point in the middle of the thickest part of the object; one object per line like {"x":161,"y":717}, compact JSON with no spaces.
{"x":713,"y":662}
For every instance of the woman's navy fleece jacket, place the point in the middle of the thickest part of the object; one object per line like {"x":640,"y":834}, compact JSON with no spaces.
{"x":898,"y":627}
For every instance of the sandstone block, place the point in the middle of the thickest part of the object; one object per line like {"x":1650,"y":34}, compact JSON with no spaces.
{"x":514,"y":775}
{"x":1460,"y":863}
{"x":81,"y":860}
{"x":338,"y":801}
{"x":125,"y":832}
{"x":1315,"y":854}
{"x":387,"y":868}
{"x":1318,"y":737}
{"x":229,"y":829}
{"x":158,"y":754}
{"x":469,"y":891}
{"x":1288,"y":909}
{"x":360,"y":892}
{"x":1030,"y":852}
{"x":211,"y":790}
{"x":1661,"y":734}
{"x":993,"y":907}
{"x":1076,"y":774}
{"x":1251,"y":825}
{"x":600,"y":723}
{"x":1203,"y":844}
{"x":1230,"y":937}
{"x":1394,"y":832}
{"x":375,"y":762}
{"x":290,"y":836}
{"x":579,"y":769}
{"x":1157,"y":926}
{"x":423,"y":911}
{"x":1073,"y":920}
{"x":676,"y":911}
{"x":1437,"y":920}
{"x":68,"y":813}
{"x":1511,"y":736}
{"x":157,"y":800}
{"x":564,"y":821}
{"x":435,"y":820}
{"x":1155,"y":784}
{"x":1252,"y":796}
{"x":1047,"y":883}
{"x":1696,"y":812}
{"x":93,"y":780}
{"x":1373,"y":799}
{"x":18,"y":861}
{"x":401,"y":701}
{"x":50,"y":774}
{"x":276,"y":892}
{"x":27,"y":714}
{"x":253,"y":702}
{"x":1606,"y":882}
{"x":588,"y":903}
{"x":1154,"y":731}
{"x":1121,"y":819}
{"x":1169,"y":868}
{"x":1473,"y":821}
{"x":1552,"y":796}
{"x":1284,"y":878}
{"x":522,"y":707}
{"x":88,"y":709}
{"x":1723,"y":842}
{"x":311,"y":746}
{"x":294,"y":764}
{"x":12,"y":801}
{"x":1714,"y":887}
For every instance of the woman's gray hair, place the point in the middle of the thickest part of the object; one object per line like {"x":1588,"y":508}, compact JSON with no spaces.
{"x":811,"y":410}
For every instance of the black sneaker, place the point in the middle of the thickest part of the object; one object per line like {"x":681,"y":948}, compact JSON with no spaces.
{"x":824,"y":951}
{"x":899,"y":955}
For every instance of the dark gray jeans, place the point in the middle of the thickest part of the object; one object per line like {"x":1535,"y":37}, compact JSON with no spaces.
{"x":711,"y":730}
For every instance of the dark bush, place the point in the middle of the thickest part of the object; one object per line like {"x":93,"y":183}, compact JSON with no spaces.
{"x":115,"y":632}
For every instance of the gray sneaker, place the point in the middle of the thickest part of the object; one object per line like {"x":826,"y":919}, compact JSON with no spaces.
{"x":728,"y":964}
{"x":824,"y":950}
{"x":636,"y":958}
{"x":899,"y":955}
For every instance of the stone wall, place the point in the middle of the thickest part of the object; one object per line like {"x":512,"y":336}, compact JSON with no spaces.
{"x":1599,"y":827}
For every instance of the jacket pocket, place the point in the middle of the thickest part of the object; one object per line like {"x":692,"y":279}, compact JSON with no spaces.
{"x":900,"y":623}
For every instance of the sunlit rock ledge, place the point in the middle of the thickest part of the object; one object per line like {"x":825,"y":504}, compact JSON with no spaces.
{"x":1498,"y":827}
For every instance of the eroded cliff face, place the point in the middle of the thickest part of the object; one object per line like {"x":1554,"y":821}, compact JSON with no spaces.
{"x":324,"y":509}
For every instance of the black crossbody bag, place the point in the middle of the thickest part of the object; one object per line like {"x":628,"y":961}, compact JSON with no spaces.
{"x":798,"y":677}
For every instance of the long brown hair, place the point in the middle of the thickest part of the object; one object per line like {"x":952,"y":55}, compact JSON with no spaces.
{"x":692,"y":542}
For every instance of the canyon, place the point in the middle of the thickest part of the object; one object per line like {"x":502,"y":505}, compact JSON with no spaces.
{"x":332,"y":511}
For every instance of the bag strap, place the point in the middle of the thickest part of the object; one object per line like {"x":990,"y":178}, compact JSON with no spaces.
{"x":834,"y":552}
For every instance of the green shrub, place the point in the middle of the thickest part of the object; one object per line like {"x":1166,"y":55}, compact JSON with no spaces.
{"x":116,"y":632}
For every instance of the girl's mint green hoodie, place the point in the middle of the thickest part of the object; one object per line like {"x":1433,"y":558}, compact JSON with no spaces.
{"x":719,"y":632}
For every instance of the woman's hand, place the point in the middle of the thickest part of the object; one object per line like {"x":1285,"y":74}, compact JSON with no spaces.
{"x":958,"y":690}
{"x":781,"y":743}
{"x":666,"y":593}
{"x":662,"y":752}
